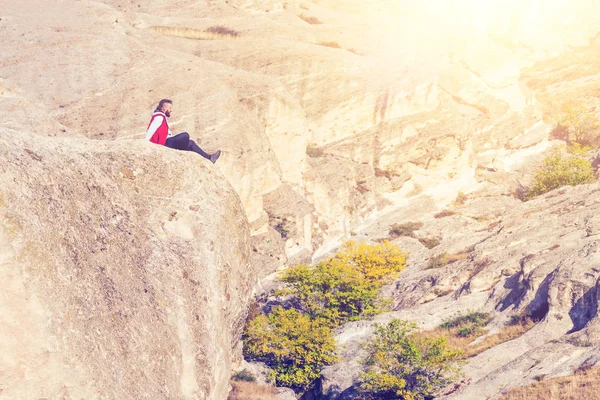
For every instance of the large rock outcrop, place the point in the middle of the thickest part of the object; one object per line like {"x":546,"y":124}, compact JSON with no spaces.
{"x":124,"y":267}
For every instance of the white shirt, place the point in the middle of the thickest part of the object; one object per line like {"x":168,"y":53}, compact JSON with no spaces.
{"x":155,"y":124}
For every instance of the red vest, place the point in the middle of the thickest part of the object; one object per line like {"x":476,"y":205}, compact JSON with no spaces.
{"x":160,"y":136}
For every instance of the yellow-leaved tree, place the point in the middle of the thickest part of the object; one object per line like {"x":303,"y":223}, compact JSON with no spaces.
{"x":346,"y":286}
{"x":296,"y":343}
{"x":292,"y":344}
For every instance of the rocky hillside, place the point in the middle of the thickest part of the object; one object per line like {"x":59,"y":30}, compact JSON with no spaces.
{"x":125,"y":271}
{"x":336,"y":119}
{"x":512,"y":259}
{"x":328,"y":113}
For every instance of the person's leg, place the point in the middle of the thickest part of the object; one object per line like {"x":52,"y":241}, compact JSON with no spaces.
{"x":192,"y":146}
{"x":183,"y":142}
{"x":178,"y":142}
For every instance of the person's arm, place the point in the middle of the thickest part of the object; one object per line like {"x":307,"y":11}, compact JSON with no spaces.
{"x":154,"y":126}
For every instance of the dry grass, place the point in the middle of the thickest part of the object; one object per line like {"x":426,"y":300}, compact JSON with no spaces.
{"x":212,"y":33}
{"x":429,"y":242}
{"x":314,"y":152}
{"x":441,"y":292}
{"x":492,"y":225}
{"x":583,"y":385}
{"x":406,"y":229}
{"x":358,"y":53}
{"x":441,"y":260}
{"x":508,"y":333}
{"x":444,"y":213}
{"x":461,"y":198}
{"x":310,"y":20}
{"x":463,"y":331}
{"x":480,"y":264}
{"x":251,"y":391}
{"x":334,"y":45}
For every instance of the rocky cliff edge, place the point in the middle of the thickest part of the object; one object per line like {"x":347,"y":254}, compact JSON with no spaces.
{"x":124,"y":267}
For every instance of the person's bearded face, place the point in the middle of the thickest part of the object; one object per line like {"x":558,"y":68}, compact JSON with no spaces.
{"x":167,"y":109}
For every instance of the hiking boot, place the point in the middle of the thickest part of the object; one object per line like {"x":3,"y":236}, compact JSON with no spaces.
{"x":215,"y":157}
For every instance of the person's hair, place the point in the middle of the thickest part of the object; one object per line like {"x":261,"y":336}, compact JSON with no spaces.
{"x":162,"y":103}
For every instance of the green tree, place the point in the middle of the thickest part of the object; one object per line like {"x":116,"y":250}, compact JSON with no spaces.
{"x":401,"y":365}
{"x":558,"y":171}
{"x":333,"y":291}
{"x":345,"y":287}
{"x":297,"y":343}
{"x":293,"y":345}
{"x":581,"y":123}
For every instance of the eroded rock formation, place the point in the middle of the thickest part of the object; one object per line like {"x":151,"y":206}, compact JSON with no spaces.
{"x":537,"y":258}
{"x":125,"y":271}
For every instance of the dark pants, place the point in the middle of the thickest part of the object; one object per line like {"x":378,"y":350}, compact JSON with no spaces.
{"x":183,"y":142}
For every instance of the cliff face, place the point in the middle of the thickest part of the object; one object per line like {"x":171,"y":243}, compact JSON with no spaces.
{"x":124,"y":267}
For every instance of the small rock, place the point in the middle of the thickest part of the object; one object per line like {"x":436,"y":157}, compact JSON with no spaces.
{"x":285,"y":394}
{"x":592,"y":226}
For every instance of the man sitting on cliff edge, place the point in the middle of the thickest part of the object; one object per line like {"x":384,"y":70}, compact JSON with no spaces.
{"x":158,"y":132}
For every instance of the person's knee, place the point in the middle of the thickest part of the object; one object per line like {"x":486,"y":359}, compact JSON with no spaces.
{"x":184,"y":135}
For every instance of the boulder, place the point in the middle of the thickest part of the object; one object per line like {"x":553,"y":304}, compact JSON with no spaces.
{"x":124,"y":269}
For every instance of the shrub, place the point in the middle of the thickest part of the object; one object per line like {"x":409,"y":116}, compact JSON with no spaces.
{"x":557,"y":171}
{"x":293,"y":345}
{"x":463,"y":330}
{"x":466,"y":331}
{"x":331,"y":290}
{"x":582,"y":124}
{"x":243,"y":376}
{"x":478,"y":319}
{"x":560,"y":133}
{"x":467,"y":326}
{"x":578,"y":149}
{"x":346,"y":286}
{"x":406,"y":229}
{"x":401,"y":365}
